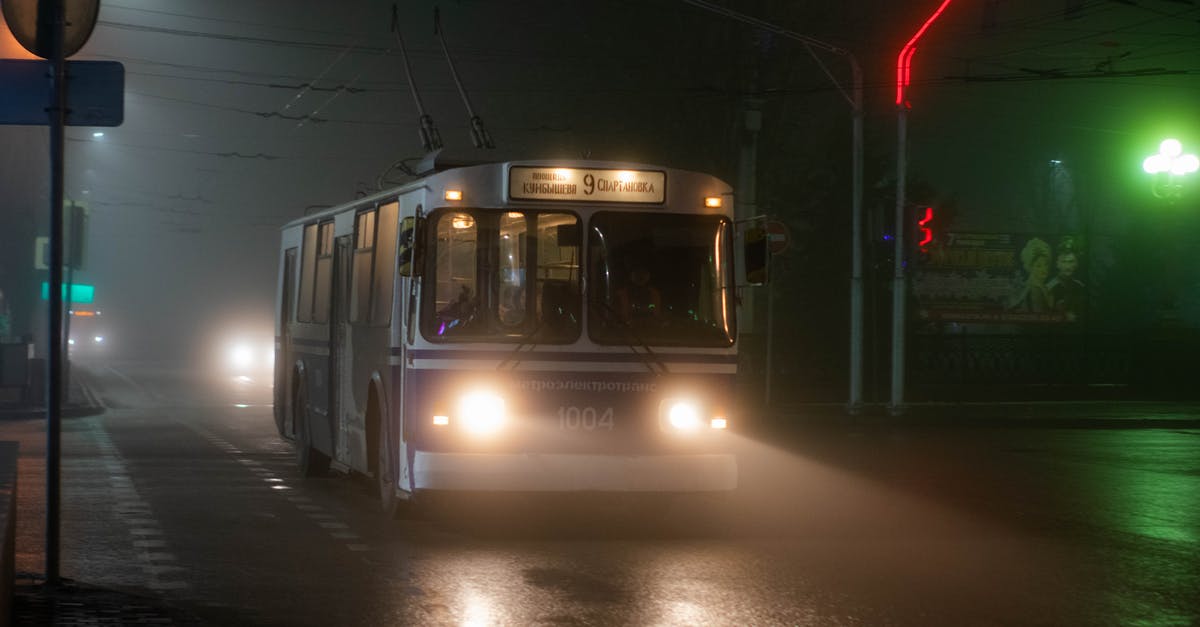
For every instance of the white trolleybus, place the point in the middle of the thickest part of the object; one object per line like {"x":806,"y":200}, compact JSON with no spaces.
{"x":556,"y":326}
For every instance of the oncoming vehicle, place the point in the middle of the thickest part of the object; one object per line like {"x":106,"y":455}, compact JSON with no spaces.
{"x":524,"y":326}
{"x":88,"y":332}
{"x":249,"y":358}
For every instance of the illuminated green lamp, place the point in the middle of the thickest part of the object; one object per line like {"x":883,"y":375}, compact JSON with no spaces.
{"x":1167,"y":165}
{"x":1170,"y":159}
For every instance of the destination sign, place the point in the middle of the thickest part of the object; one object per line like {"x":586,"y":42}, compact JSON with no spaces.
{"x":587,"y":185}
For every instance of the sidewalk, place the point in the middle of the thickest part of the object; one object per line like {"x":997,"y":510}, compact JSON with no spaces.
{"x":80,"y":401}
{"x":72,"y":604}
{"x":1017,"y":414}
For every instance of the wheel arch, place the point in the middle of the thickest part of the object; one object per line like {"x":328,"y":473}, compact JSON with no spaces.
{"x":376,"y":412}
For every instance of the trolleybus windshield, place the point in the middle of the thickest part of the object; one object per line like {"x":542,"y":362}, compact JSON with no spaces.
{"x":503,"y":276}
{"x":660,"y":279}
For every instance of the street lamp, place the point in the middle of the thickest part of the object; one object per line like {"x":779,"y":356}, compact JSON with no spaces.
{"x":1167,"y":166}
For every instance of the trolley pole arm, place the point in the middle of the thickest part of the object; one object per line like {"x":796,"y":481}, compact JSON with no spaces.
{"x":430,"y":139}
{"x":479,"y":134}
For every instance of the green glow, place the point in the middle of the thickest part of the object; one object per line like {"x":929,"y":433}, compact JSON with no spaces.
{"x":80,"y":293}
{"x":1170,"y":159}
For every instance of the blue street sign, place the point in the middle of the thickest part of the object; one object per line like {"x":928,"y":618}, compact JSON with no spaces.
{"x":95,"y":92}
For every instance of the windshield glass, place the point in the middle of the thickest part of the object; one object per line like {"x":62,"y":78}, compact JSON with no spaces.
{"x":502,"y":276}
{"x":660,"y":279}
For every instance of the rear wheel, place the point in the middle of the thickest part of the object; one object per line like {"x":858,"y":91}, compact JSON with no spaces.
{"x":312,"y":463}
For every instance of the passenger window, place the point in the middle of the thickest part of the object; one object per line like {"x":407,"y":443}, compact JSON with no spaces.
{"x":324,"y":283}
{"x":308,"y":272}
{"x":383,"y":284}
{"x":364,"y":257}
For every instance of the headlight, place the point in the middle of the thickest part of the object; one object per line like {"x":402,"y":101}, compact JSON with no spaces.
{"x":481,"y":412}
{"x":683,"y":415}
{"x":688,"y":415}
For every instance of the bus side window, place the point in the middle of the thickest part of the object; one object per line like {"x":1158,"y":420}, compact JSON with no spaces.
{"x":364,"y":257}
{"x":383,"y":285}
{"x":308,"y":272}
{"x":324,"y":284}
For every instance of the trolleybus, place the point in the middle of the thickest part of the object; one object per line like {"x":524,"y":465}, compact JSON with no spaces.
{"x":527,"y":326}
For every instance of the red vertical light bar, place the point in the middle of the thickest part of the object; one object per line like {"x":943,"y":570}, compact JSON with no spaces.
{"x":926,"y":232}
{"x":904,"y":60}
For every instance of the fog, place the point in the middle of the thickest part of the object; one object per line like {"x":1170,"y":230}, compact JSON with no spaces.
{"x":240,"y":116}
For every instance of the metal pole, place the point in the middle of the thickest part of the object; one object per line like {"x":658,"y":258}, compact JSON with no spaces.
{"x":767,"y":376}
{"x":855,"y":98}
{"x":854,"y":406}
{"x":898,"y":282}
{"x":54,"y":388}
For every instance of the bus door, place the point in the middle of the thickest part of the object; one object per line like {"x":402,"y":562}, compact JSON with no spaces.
{"x":408,"y":283}
{"x":283,"y":357}
{"x":341,"y":358}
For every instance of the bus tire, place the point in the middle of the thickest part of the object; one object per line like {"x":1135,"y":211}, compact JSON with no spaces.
{"x":392,"y":505}
{"x":312,"y":463}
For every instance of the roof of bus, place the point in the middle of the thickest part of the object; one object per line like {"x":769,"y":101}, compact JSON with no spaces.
{"x":447,"y":167}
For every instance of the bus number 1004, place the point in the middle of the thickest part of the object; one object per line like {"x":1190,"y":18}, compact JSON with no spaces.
{"x":588,"y":418}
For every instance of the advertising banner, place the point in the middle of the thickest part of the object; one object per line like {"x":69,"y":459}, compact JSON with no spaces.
{"x":1001,"y":278}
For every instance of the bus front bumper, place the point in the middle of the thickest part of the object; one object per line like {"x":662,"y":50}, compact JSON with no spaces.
{"x":715,"y":472}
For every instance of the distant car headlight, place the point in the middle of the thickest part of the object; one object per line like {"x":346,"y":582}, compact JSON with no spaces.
{"x":99,"y":339}
{"x":481,"y":412}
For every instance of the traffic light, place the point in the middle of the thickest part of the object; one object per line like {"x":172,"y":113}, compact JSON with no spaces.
{"x":925,"y":226}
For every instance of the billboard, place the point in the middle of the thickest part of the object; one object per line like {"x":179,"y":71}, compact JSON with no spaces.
{"x":1001,"y":278}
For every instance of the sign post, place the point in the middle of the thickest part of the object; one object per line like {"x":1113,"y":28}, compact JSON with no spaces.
{"x":777,"y":242}
{"x":42,"y":27}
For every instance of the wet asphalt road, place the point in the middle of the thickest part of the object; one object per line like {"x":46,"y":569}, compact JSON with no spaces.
{"x":182,"y":491}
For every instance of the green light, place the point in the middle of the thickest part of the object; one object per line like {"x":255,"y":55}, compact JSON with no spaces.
{"x":1170,"y":159}
{"x":80,"y":293}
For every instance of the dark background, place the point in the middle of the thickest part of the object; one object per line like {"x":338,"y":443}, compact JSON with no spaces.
{"x":242,"y":115}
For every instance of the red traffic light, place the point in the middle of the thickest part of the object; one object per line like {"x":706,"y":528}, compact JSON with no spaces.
{"x":925,"y":227}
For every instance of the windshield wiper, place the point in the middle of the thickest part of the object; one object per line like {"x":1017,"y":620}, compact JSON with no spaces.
{"x":525,"y":341}
{"x":653,"y":363}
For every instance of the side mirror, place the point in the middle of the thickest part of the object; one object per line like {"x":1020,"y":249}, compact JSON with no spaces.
{"x":756,"y":255}
{"x":409,"y":251}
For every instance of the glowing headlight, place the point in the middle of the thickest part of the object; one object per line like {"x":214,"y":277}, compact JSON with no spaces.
{"x":683,"y":415}
{"x":481,"y":412}
{"x":99,"y":339}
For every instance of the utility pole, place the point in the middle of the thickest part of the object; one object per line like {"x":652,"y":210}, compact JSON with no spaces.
{"x":855,"y":99}
{"x":899,"y":284}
